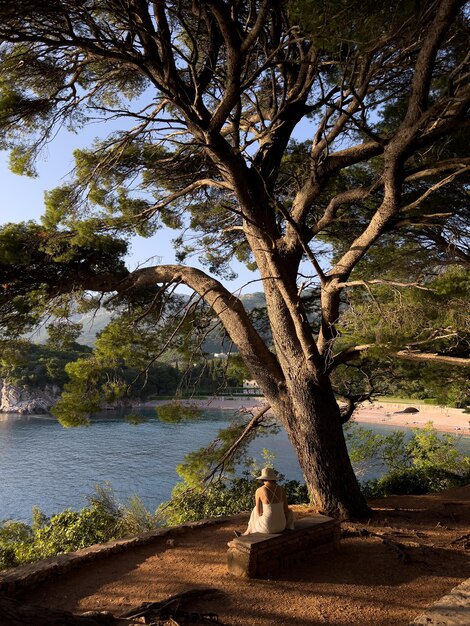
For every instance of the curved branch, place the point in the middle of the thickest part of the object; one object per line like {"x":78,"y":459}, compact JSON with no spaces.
{"x":353,"y":352}
{"x":429,"y":170}
{"x":409,"y":131}
{"x":225,"y":305}
{"x":351,"y":404}
{"x":349,"y":354}
{"x":432,"y":356}
{"x":435,"y":187}
{"x":332,"y":163}
{"x":417,"y":174}
{"x":251,"y":37}
{"x":392,"y":283}
{"x":446,"y":12}
{"x":350,"y":195}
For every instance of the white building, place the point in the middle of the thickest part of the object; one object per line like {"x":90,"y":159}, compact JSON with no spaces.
{"x":250,"y":386}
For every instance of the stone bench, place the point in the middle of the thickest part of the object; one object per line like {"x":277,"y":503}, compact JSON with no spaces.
{"x":260,"y":556}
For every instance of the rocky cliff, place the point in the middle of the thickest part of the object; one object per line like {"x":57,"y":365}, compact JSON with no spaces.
{"x":26,"y":400}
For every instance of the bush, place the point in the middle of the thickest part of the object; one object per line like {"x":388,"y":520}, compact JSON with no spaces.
{"x":15,"y":539}
{"x":296,"y":492}
{"x":72,"y":530}
{"x":428,"y":461}
{"x":69,"y":530}
{"x":196,"y":503}
{"x":413,"y":481}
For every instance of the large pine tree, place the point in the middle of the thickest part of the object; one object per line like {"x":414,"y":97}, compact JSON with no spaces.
{"x":208,"y":96}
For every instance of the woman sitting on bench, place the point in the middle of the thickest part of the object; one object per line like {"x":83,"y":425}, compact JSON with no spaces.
{"x":271,"y":514}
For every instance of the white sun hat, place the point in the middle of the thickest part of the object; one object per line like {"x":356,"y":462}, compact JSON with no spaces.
{"x":267,"y":473}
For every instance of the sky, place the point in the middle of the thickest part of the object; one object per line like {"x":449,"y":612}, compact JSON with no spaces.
{"x":22,"y":198}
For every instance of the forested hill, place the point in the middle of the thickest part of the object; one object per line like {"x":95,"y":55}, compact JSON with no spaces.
{"x":93,"y":322}
{"x":32,"y":375}
{"x":27,"y":364}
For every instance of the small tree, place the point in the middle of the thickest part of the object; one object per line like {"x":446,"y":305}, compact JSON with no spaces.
{"x":209,"y":95}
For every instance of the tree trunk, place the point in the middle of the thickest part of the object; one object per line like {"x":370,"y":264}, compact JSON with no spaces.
{"x":303,"y":399}
{"x":312,"y":419}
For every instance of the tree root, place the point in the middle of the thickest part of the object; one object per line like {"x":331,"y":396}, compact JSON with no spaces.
{"x":401,"y":550}
{"x":465,"y":539}
{"x":170,"y":611}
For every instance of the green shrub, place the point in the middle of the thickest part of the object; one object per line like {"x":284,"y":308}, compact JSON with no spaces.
{"x":104,"y":519}
{"x":7,"y":556}
{"x":429,"y":461}
{"x":72,"y":530}
{"x":11,"y":531}
{"x":135,"y":518}
{"x":296,"y":492}
{"x":196,"y":503}
{"x":15,"y":540}
{"x":413,"y":481}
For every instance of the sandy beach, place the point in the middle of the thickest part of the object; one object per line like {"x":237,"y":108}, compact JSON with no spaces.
{"x":444,"y":419}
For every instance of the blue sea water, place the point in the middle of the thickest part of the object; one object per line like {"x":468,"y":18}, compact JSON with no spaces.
{"x":43,"y":464}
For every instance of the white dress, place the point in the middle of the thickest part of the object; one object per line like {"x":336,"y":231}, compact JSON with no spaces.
{"x":273,"y":519}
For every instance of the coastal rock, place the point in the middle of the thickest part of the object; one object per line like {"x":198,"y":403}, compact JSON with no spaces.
{"x":26,"y":400}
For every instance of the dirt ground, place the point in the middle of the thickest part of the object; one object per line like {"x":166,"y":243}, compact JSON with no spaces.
{"x":387,"y":571}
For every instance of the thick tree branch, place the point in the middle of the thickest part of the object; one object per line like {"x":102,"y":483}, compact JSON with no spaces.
{"x":391,"y":283}
{"x":351,"y":403}
{"x":349,"y":354}
{"x":225,"y":305}
{"x":432,"y":357}
{"x":346,"y":197}
{"x":432,"y":169}
{"x":352,"y":353}
{"x":257,"y":27}
{"x":331,"y":164}
{"x":394,"y":153}
{"x":435,"y":34}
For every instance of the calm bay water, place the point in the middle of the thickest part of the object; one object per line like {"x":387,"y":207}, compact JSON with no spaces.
{"x":45,"y":465}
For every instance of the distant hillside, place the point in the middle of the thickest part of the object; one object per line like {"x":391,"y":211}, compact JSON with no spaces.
{"x":255,"y":300}
{"x":95,"y":321}
{"x":92,"y":322}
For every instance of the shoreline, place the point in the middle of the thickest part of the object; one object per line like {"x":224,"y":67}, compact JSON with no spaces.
{"x":444,"y":419}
